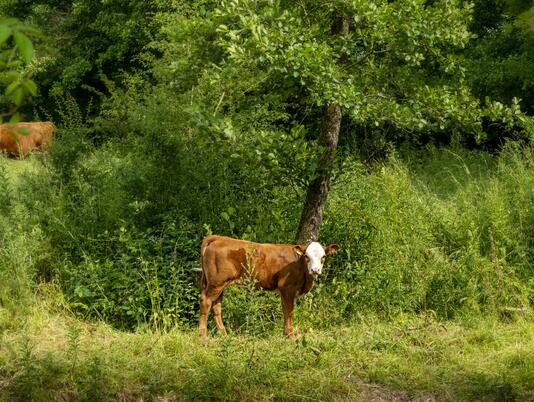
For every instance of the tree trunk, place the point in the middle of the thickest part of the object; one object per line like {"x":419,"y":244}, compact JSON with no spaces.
{"x":312,"y":213}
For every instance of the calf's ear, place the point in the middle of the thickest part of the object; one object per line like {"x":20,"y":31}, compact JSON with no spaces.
{"x":299,"y":249}
{"x":330,"y":249}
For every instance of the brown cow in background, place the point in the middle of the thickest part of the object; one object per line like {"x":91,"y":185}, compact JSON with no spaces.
{"x":20,"y":139}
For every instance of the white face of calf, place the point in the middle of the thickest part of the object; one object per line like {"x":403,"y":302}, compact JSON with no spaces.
{"x":314,"y":255}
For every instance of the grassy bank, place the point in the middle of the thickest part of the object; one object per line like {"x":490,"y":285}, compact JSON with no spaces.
{"x":57,"y":357}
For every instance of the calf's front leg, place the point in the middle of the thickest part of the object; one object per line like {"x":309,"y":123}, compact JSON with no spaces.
{"x":288,"y":300}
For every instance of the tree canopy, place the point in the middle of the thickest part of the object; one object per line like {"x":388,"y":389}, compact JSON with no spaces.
{"x":411,"y":69}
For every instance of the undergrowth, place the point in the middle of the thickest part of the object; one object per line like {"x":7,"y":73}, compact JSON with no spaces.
{"x":445,"y":231}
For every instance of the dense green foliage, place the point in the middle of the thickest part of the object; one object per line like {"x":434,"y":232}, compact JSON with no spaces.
{"x":177,"y":119}
{"x":207,"y":122}
{"x":90,"y":44}
{"x":501,"y":55}
{"x":445,"y":231}
{"x":400,"y":74}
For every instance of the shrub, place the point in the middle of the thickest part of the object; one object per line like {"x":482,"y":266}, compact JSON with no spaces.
{"x":413,"y":241}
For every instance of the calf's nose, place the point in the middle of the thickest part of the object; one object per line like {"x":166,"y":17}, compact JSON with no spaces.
{"x":315,"y":270}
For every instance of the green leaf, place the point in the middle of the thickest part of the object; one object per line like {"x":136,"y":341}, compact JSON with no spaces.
{"x":11,"y":88}
{"x":7,"y":77}
{"x":18,"y":96}
{"x":15,"y":118}
{"x":34,"y":32}
{"x":13,"y":64}
{"x":5,"y":32}
{"x":24,"y":45}
{"x":30,"y":87}
{"x":9,"y":21}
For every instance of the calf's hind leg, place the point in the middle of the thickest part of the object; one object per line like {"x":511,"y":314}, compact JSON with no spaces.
{"x":208,"y":298}
{"x":217,"y":314}
{"x":205,"y":306}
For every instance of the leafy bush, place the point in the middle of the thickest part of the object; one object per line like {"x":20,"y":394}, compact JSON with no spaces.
{"x":448,"y":240}
{"x":146,"y":279}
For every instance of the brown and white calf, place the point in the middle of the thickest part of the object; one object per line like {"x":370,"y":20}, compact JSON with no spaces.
{"x":288,"y":269}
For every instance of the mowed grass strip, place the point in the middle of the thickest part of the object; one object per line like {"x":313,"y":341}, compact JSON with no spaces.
{"x":54,"y":357}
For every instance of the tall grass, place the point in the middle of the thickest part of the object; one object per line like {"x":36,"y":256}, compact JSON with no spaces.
{"x":449,"y":232}
{"x":407,"y":358}
{"x":444,"y":231}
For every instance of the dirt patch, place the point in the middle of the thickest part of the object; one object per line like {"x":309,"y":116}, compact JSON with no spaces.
{"x":371,"y":392}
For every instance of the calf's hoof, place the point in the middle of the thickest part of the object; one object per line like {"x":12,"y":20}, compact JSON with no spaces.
{"x":291,"y":334}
